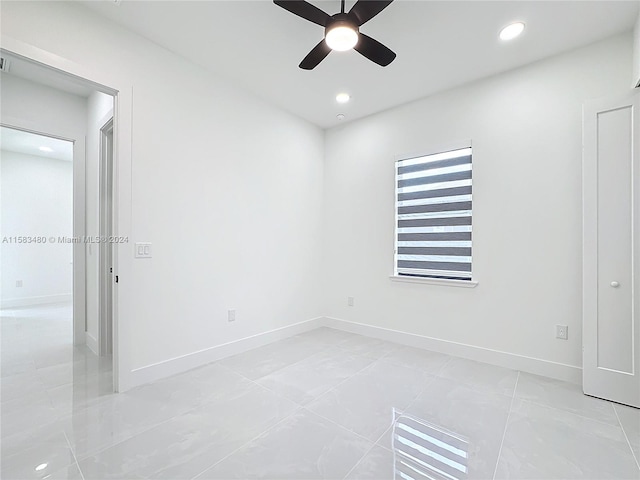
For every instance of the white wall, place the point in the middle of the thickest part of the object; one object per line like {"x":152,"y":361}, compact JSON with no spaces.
{"x":636,"y":53}
{"x":227,"y":188}
{"x":99,"y":109}
{"x":526,"y":131}
{"x":36,"y":200}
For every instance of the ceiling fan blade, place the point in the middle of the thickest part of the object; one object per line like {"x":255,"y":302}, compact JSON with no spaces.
{"x":305,"y":10}
{"x":315,"y":56}
{"x":374,"y":50}
{"x":365,"y":10}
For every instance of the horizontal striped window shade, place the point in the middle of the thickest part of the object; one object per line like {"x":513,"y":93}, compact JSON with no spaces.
{"x":433,"y":215}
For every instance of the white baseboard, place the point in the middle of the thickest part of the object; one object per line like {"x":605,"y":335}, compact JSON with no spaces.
{"x":174,"y":366}
{"x":92,"y":343}
{"x":514,"y":361}
{"x":40,"y":300}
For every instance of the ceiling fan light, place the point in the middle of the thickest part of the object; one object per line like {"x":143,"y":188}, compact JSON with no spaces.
{"x":341,"y":38}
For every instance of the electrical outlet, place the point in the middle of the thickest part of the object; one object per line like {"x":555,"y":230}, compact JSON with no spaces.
{"x":231,"y":316}
{"x":19,"y":283}
{"x":350,"y":301}
{"x":562,"y":332}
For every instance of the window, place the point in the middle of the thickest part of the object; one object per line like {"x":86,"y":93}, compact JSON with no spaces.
{"x":433,"y":215}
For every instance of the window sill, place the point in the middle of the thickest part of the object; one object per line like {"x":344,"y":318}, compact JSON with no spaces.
{"x":434,"y":281}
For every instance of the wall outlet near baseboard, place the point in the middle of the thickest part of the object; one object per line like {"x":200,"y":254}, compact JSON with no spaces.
{"x":350,"y":301}
{"x":231,"y":315}
{"x":562,"y":332}
{"x":18,"y":283}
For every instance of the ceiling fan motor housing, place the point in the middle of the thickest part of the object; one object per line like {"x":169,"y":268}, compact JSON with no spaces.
{"x":340,"y":21}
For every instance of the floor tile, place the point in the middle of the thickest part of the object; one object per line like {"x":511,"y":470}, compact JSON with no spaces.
{"x":479,"y":417}
{"x":480,"y":376}
{"x":189,"y":390}
{"x":565,"y":396}
{"x":48,"y":458}
{"x":72,"y":472}
{"x":547,"y":443}
{"x":630,"y":421}
{"x":364,"y":403}
{"x":83,"y":392}
{"x":308,"y":379}
{"x":190,"y":443}
{"x":367,"y":347}
{"x":328,"y":336}
{"x":26,"y":384}
{"x":25,"y":414}
{"x":45,"y":447}
{"x":430,"y":362}
{"x":262,"y":361}
{"x":386,"y":439}
{"x":56,"y":397}
{"x":377,"y":464}
{"x":76,"y":371}
{"x":304,"y":446}
{"x":9,"y":367}
{"x":112,"y":421}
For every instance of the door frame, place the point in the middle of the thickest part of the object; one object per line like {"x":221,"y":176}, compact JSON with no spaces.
{"x":106,"y":250}
{"x":106,"y":81}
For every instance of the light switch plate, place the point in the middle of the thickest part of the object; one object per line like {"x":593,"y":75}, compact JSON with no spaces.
{"x":143,"y":250}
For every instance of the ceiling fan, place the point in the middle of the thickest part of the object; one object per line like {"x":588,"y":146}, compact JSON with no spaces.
{"x":342,"y":30}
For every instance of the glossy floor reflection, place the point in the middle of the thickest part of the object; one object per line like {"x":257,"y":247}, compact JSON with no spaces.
{"x":318,"y":405}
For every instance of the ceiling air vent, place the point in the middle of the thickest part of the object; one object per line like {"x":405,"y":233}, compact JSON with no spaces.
{"x":4,"y":64}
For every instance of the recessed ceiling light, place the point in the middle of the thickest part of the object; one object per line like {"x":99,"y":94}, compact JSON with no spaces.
{"x":343,"y":97}
{"x":42,"y":466}
{"x":340,"y":116}
{"x":511,"y":31}
{"x":46,"y":149}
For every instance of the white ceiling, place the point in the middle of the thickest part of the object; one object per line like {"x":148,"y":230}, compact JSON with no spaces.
{"x":440,"y":44}
{"x":12,"y":140}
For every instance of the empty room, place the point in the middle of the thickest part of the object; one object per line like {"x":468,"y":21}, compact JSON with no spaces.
{"x":320,"y":239}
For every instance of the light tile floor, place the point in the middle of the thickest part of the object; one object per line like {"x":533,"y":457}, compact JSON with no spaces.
{"x":318,"y":405}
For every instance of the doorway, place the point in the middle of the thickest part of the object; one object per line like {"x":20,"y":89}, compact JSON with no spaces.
{"x":36,"y":258}
{"x":40,"y":356}
{"x":94,"y":139}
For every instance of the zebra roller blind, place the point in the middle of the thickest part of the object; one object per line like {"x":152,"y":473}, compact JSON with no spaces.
{"x":433,"y":215}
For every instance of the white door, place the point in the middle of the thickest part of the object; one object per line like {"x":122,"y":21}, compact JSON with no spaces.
{"x":611,"y":298}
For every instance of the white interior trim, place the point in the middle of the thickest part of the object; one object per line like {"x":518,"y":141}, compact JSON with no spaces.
{"x":92,"y":343}
{"x":183,"y":363}
{"x":41,"y":300}
{"x":537,"y":366}
{"x":433,"y":149}
{"x":435,"y":281}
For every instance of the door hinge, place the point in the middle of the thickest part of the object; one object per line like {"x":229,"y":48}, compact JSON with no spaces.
{"x":116,"y":278}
